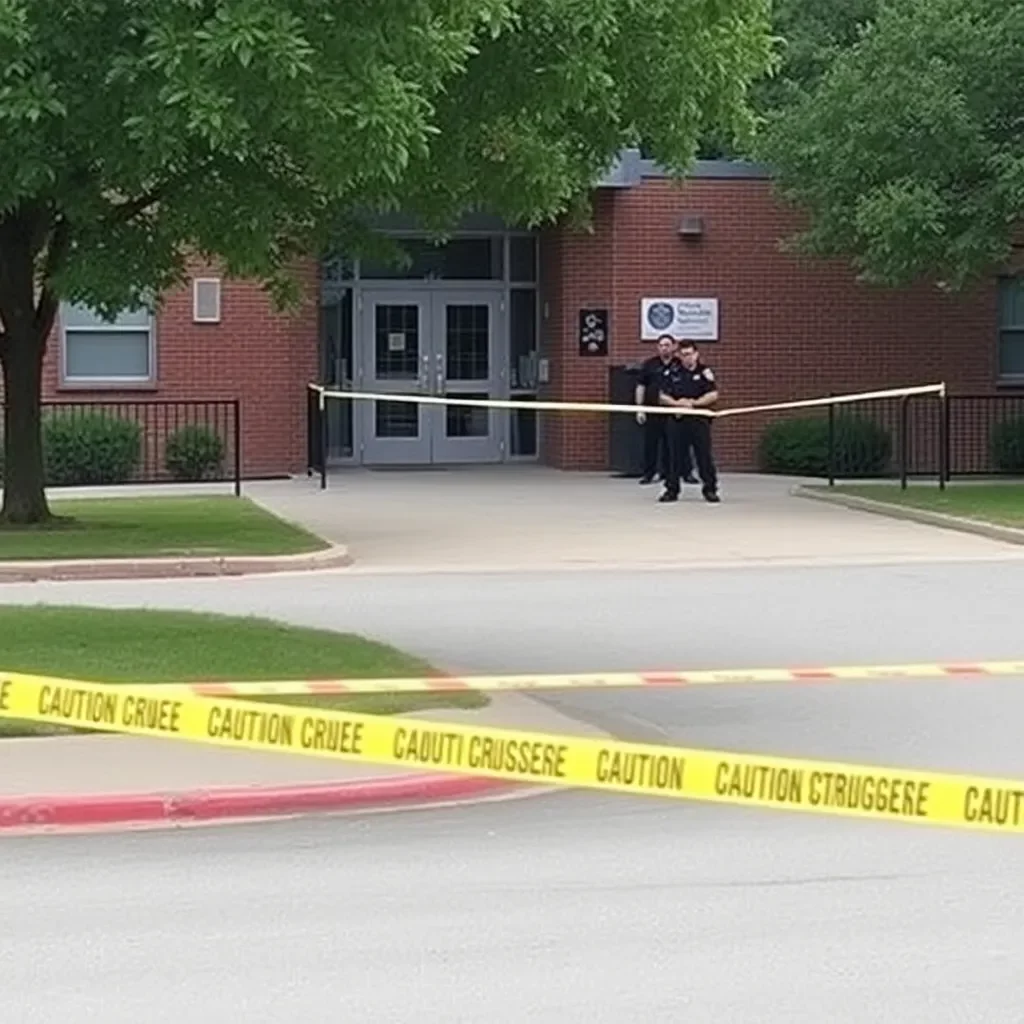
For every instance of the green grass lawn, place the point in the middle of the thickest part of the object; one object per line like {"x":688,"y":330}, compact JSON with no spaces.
{"x":156,"y":527}
{"x":992,"y":503}
{"x":154,"y":646}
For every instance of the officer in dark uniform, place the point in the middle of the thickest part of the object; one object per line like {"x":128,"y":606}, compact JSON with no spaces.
{"x":689,"y":384}
{"x":650,"y":383}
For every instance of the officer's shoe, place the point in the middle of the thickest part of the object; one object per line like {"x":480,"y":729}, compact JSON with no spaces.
{"x":712,"y":497}
{"x":647,"y":480}
{"x":689,"y":479}
{"x":668,"y":496}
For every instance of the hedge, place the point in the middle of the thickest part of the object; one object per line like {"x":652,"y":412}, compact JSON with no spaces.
{"x":194,"y":453}
{"x":89,"y":448}
{"x":1006,"y":445}
{"x":799,"y":447}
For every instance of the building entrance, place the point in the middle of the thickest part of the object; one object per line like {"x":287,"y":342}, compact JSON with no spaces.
{"x":440,"y":344}
{"x":460,"y":318}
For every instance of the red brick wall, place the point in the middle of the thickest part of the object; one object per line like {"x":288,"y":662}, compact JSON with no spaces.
{"x":579,"y":271}
{"x":263,"y":358}
{"x":790,"y":327}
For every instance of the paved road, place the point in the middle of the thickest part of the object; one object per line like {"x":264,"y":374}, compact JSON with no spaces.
{"x":603,"y":621}
{"x":575,"y":907}
{"x":559,"y":908}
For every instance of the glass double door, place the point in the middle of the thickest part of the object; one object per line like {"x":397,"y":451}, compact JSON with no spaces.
{"x":437,"y":344}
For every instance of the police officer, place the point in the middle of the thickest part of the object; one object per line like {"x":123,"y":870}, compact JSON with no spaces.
{"x":689,"y":384}
{"x":654,"y":372}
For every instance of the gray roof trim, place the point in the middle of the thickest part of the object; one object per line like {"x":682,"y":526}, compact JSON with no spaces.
{"x":631,"y":168}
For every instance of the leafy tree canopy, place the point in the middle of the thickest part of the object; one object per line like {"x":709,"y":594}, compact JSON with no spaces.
{"x":811,"y":35}
{"x":245,"y":129}
{"x":899,"y":127}
{"x":136,"y":132}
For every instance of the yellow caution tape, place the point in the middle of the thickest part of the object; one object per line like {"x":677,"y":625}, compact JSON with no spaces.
{"x":816,"y":787}
{"x":535,"y":405}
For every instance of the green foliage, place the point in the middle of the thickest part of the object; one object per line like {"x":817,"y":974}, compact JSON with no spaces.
{"x":257,"y":131}
{"x":87,"y":449}
{"x":90,"y":448}
{"x":904,"y":141}
{"x":811,"y":35}
{"x":799,"y":447}
{"x":1007,"y":445}
{"x":194,"y":453}
{"x":253,"y":133}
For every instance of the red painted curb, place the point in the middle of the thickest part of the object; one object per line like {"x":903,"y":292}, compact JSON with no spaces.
{"x":241,"y":802}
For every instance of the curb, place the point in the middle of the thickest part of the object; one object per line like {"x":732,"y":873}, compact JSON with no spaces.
{"x":221,"y":804}
{"x":1008,"y":534}
{"x":334,"y":557}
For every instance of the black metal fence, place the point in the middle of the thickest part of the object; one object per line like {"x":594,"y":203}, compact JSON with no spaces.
{"x":927,"y":435}
{"x":143,"y":442}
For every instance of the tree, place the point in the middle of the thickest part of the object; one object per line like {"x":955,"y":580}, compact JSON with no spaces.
{"x":255,"y":132}
{"x":907,"y":153}
{"x":812,"y":34}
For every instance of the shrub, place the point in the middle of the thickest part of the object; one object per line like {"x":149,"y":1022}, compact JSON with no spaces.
{"x":799,"y":447}
{"x":90,"y":448}
{"x":194,"y":453}
{"x":1007,"y":445}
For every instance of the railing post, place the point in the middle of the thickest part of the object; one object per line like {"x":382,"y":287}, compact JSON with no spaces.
{"x":310,"y":435}
{"x":945,"y":469}
{"x":904,"y":439}
{"x":831,"y":445}
{"x":238,"y":446}
{"x":322,"y":413}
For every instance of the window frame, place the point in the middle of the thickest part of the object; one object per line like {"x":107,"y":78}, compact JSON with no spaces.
{"x":196,"y":283}
{"x":1007,"y":281}
{"x":106,"y":383}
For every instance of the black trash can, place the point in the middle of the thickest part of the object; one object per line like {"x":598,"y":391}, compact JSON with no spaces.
{"x":625,"y":436}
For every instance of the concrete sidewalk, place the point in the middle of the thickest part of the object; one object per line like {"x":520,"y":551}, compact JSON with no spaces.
{"x":104,"y":780}
{"x":530,"y":517}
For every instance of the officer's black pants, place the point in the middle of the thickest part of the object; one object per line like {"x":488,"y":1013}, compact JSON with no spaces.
{"x":656,"y":448}
{"x":656,"y":454}
{"x":685,"y":433}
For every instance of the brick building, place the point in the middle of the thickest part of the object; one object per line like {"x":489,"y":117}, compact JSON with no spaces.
{"x":499,"y":312}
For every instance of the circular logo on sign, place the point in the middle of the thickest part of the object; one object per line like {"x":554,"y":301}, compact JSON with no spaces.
{"x":660,"y":316}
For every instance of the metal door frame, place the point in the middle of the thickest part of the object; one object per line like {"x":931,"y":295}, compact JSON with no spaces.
{"x":488,"y":448}
{"x":431,"y":446}
{"x":393,"y":451}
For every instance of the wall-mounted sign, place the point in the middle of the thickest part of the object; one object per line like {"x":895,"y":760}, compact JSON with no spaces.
{"x":396,"y":341}
{"x":692,"y":319}
{"x":593,"y":332}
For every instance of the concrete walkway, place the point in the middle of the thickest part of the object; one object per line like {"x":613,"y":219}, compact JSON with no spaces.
{"x":530,"y":517}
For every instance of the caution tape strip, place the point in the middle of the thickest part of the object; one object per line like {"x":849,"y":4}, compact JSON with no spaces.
{"x":549,"y":406}
{"x":601,"y":680}
{"x":815,"y":787}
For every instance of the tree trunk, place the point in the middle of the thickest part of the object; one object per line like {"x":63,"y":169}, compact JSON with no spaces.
{"x":23,"y":477}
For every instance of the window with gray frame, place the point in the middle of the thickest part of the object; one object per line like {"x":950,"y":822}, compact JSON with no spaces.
{"x":99,"y":353}
{"x":1011,"y":328}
